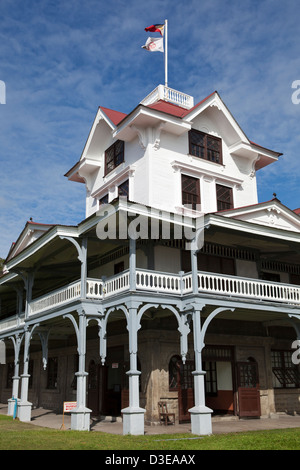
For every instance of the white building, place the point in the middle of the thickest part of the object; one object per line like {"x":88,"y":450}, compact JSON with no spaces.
{"x":124,"y":311}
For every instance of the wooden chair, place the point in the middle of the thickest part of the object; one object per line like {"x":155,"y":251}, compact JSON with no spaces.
{"x":164,"y":416}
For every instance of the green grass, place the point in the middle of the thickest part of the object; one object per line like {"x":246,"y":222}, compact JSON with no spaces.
{"x":15,"y":435}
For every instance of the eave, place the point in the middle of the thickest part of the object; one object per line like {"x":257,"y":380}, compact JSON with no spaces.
{"x":251,"y":228}
{"x":144,"y":117}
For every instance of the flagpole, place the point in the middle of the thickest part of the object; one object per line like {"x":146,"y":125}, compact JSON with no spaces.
{"x":166,"y":53}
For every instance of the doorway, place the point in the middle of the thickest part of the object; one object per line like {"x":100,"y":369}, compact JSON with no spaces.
{"x":181,"y":379}
{"x":93,"y":388}
{"x":248,"y":388}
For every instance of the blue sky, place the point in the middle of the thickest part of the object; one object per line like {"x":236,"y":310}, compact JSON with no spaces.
{"x":61,"y":59}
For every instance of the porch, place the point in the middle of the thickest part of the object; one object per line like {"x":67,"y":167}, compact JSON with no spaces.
{"x":50,"y":419}
{"x":167,"y":283}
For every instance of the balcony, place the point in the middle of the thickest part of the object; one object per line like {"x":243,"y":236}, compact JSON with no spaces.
{"x":171,"y":284}
{"x":168,"y":94}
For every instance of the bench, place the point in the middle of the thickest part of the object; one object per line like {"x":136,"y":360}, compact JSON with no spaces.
{"x":164,"y":416}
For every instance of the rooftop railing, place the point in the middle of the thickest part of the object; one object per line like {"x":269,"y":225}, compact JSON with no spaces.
{"x":169,"y":94}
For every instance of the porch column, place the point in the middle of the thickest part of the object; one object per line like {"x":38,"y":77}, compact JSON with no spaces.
{"x":132,"y":264}
{"x":24,"y":406}
{"x":29,"y":280}
{"x":133,"y":415}
{"x":200,"y":414}
{"x":83,"y":271}
{"x":16,"y":378}
{"x":194,"y":267}
{"x":80,"y":416}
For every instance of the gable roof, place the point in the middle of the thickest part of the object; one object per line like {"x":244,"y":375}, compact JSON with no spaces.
{"x":31,"y":232}
{"x":174,"y":109}
{"x":176,"y":120}
{"x":269,"y":213}
{"x":114,"y":116}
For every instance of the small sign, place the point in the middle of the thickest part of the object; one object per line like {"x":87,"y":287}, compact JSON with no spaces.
{"x":115,"y":365}
{"x":69,"y":406}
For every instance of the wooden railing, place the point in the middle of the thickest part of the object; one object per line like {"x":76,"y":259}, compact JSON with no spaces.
{"x":165,"y":283}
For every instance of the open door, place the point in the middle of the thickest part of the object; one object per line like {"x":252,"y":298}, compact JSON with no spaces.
{"x":248,"y":389}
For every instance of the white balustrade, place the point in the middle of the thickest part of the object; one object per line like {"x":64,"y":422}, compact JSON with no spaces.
{"x":56,"y":298}
{"x":11,"y":322}
{"x":158,"y":282}
{"x":116,"y":284}
{"x":248,"y":288}
{"x":167,"y":283}
{"x":169,"y":94}
{"x":94,"y":289}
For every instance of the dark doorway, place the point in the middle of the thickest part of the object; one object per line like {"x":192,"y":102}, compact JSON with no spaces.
{"x":248,"y":389}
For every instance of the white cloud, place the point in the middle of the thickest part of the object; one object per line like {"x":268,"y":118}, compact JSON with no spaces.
{"x":60,"y":60}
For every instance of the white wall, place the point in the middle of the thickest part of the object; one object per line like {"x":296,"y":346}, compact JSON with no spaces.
{"x":156,"y":181}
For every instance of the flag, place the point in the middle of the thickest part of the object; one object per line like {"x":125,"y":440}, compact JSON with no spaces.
{"x":156,"y":28}
{"x":154,"y":45}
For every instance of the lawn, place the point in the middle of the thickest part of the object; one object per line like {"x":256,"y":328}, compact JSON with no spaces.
{"x":15,"y":435}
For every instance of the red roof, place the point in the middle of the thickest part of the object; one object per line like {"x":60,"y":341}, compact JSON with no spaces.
{"x":114,"y":116}
{"x":174,"y":109}
{"x":168,"y":108}
{"x":297,"y":211}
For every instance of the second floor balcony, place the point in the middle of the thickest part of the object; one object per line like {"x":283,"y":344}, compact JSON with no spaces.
{"x":170,"y":284}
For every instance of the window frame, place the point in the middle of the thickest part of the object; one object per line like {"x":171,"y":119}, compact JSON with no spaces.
{"x":284,"y":373}
{"x":210,"y":378}
{"x":184,"y":192}
{"x":103,"y":200}
{"x":205,"y":148}
{"x":124,"y":187}
{"x":230,"y":204}
{"x":114,"y":159}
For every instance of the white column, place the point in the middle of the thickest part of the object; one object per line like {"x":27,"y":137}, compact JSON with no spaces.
{"x":194,"y":268}
{"x":24,"y":406}
{"x":200,"y":414}
{"x":132,"y":264}
{"x":80,"y":417}
{"x":16,"y":377}
{"x":133,"y":415}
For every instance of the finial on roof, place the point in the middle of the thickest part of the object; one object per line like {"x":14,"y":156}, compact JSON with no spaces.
{"x":275,"y":195}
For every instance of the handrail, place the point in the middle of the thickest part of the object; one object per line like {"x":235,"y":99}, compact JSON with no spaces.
{"x":167,"y":283}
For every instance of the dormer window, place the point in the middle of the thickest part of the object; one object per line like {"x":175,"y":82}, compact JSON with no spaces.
{"x":205,"y":146}
{"x":114,"y":156}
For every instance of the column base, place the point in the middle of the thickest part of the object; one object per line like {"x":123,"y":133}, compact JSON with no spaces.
{"x":133,"y":421}
{"x":201,"y":420}
{"x":24,"y":411}
{"x":80,"y":419}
